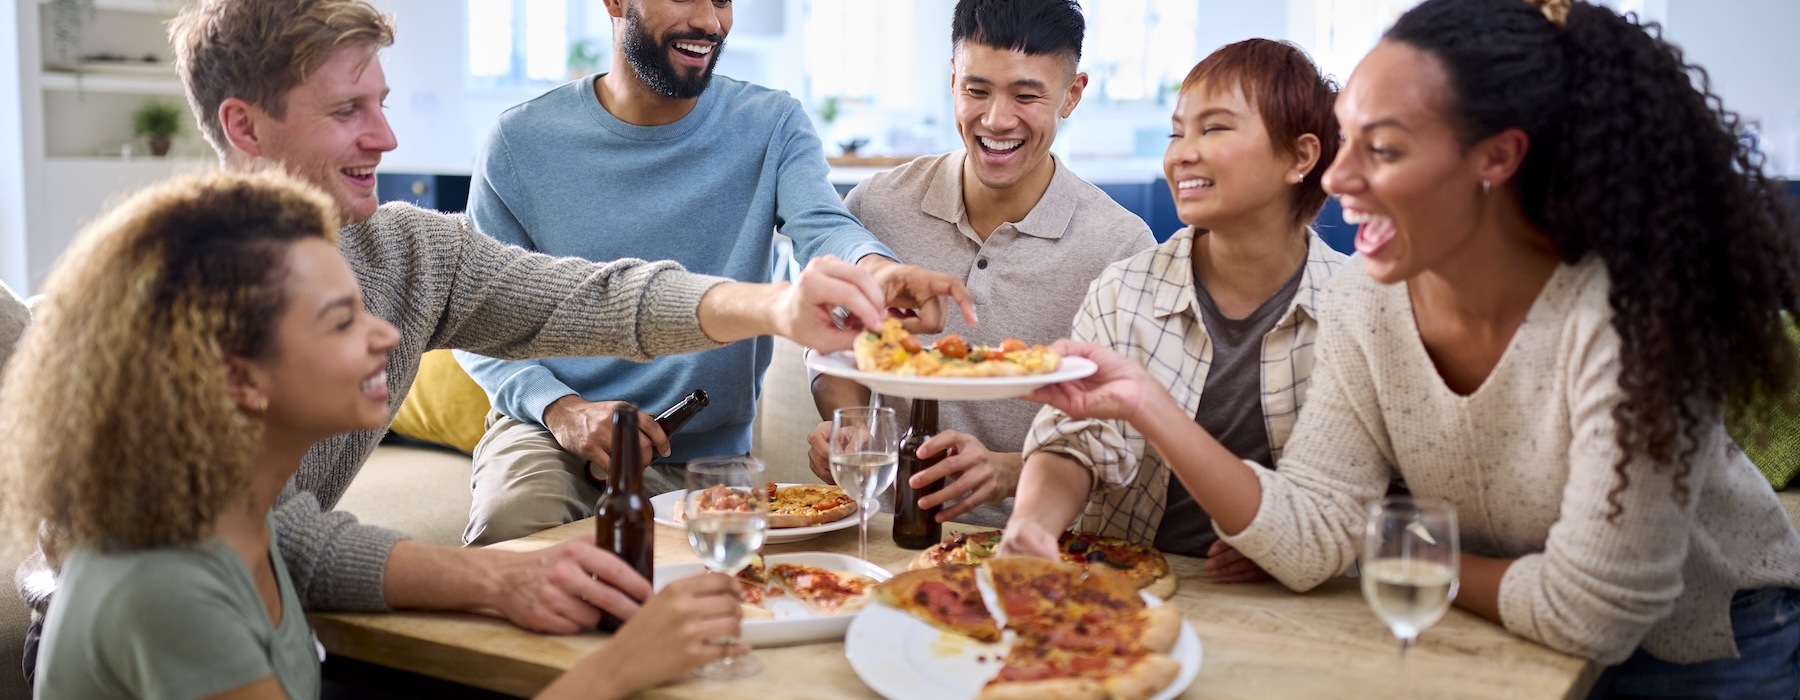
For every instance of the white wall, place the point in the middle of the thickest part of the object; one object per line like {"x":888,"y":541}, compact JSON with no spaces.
{"x":13,"y":255}
{"x":1751,"y":51}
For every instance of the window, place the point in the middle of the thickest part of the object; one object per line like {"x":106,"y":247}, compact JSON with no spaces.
{"x":1345,"y":31}
{"x":860,"y":51}
{"x":1137,"y":48}
{"x":534,"y":43}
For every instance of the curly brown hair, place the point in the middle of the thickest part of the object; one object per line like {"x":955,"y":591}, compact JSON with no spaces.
{"x":258,"y":50}
{"x":1634,"y":160}
{"x":120,"y":427}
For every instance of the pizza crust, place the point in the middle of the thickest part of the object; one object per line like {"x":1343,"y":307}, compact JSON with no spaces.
{"x":1053,"y":689}
{"x":1144,"y":679}
{"x":1162,"y":628}
{"x":1163,"y":587}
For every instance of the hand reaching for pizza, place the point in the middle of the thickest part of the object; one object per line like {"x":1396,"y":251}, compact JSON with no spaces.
{"x":1025,"y":537}
{"x":1227,"y":565}
{"x":980,"y":475}
{"x":913,"y":288}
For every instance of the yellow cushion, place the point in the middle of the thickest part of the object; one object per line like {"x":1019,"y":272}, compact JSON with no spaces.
{"x":445,"y":406}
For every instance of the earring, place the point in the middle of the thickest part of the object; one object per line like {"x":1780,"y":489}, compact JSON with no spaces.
{"x":1486,"y":187}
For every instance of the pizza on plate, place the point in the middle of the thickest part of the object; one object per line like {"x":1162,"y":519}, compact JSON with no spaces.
{"x":947,"y":597}
{"x":828,"y":592}
{"x":1142,"y":564}
{"x":1078,"y":632}
{"x":800,"y":505}
{"x":896,"y":351}
{"x":755,"y":587}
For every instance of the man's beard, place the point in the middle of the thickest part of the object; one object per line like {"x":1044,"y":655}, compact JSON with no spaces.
{"x":649,"y":58}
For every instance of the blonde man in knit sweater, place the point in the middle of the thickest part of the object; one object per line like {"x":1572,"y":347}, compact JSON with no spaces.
{"x":1571,"y":265}
{"x":307,"y":98}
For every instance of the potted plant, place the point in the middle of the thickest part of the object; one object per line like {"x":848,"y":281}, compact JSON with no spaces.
{"x":584,"y":58}
{"x":157,"y":121}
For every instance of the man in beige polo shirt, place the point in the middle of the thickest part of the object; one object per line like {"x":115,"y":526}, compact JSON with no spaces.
{"x":1004,"y":215}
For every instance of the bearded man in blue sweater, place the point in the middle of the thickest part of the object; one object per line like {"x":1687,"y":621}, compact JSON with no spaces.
{"x":659,"y":159}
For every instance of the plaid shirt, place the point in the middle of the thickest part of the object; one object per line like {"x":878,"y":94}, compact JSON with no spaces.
{"x":1145,"y":308}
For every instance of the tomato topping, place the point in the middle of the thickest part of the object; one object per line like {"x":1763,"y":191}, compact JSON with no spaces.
{"x":911,"y":345}
{"x":1087,"y":664}
{"x":952,"y":346}
{"x":1012,"y":345}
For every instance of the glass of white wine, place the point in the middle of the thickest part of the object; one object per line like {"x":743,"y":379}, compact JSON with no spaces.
{"x":727,"y":514}
{"x":1409,"y":565}
{"x":865,"y":449}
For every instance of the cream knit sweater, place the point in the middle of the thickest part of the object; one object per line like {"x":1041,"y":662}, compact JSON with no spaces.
{"x":1527,"y":460}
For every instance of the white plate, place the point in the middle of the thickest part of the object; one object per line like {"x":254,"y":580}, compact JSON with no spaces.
{"x":903,"y":658}
{"x":843,"y":364}
{"x":664,"y":507}
{"x":794,"y":622}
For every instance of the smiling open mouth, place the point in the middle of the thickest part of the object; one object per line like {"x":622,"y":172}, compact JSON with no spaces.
{"x":998,"y":146}
{"x":693,"y":49}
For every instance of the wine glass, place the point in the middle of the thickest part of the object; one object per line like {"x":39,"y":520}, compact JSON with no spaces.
{"x":727,"y":513}
{"x":1409,"y":565}
{"x":865,"y":449}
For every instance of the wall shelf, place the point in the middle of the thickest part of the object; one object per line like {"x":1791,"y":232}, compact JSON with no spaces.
{"x":97,"y":82}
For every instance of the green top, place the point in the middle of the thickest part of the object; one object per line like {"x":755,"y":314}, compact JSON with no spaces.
{"x":181,"y":622}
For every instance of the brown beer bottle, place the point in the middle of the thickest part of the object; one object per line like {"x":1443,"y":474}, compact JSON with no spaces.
{"x":678,"y":415}
{"x":915,"y":527}
{"x":623,"y":515}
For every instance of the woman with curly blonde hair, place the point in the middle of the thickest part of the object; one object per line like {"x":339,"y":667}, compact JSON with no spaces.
{"x":195,"y":342}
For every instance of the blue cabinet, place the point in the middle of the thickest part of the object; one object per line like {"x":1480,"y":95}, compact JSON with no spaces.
{"x":441,"y":192}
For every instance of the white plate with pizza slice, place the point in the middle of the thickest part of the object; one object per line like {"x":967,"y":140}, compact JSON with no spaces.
{"x":904,"y":658}
{"x":843,"y":364}
{"x":791,"y":620}
{"x":664,"y":507}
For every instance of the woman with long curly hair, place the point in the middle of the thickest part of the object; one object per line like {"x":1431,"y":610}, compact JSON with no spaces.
{"x":193,"y":344}
{"x":1572,"y":267}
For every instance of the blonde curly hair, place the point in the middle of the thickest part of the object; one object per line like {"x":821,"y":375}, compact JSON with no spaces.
{"x":120,"y":429}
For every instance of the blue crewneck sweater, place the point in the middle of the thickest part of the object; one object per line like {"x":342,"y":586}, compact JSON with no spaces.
{"x":561,"y":175}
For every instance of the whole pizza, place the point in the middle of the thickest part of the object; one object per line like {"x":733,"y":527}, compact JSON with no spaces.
{"x":1078,"y":632}
{"x":896,"y":351}
{"x":1142,"y":564}
{"x":800,"y":505}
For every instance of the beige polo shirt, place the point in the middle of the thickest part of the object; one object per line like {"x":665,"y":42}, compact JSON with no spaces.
{"x":1027,"y":280}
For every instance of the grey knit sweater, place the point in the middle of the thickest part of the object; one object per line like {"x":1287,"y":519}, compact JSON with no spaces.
{"x":446,"y":286}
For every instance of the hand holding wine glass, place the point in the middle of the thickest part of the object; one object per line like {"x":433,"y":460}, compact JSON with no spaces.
{"x":1409,"y":565}
{"x":727,"y":513}
{"x":865,"y":449}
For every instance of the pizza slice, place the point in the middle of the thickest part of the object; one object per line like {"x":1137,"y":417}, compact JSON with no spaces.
{"x":754,"y":587}
{"x":805,"y":505}
{"x":828,"y":592}
{"x":960,"y":548}
{"x":948,"y":597}
{"x":1037,"y":671}
{"x":894,"y":350}
{"x":1143,"y":564}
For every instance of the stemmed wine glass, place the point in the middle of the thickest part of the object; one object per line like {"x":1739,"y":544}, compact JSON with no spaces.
{"x":1409,"y":565}
{"x":865,"y":448}
{"x":727,"y":513}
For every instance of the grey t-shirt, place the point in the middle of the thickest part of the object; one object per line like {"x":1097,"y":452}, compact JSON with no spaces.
{"x":180,"y":622}
{"x":1230,"y":408}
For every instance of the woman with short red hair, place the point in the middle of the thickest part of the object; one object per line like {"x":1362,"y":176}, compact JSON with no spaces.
{"x":1223,"y":314}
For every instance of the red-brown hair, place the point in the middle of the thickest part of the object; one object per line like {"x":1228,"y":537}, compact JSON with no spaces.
{"x":1282,"y":83}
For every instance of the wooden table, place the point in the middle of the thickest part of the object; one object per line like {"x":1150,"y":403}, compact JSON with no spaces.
{"x":1258,"y":641}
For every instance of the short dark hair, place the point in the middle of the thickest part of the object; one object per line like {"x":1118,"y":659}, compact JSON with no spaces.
{"x":1284,"y":85}
{"x":1036,"y":27}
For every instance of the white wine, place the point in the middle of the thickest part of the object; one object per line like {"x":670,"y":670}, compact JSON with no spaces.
{"x":864,"y":475}
{"x":727,"y":541}
{"x":1408,"y":594}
